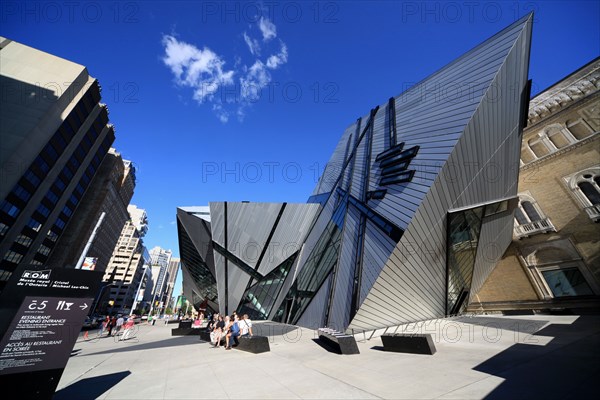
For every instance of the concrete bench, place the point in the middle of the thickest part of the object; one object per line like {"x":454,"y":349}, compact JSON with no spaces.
{"x":253,"y":344}
{"x":185,"y":328}
{"x":341,"y":342}
{"x":408,"y":343}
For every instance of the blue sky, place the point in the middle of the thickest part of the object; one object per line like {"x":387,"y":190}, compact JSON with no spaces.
{"x":239,"y":101}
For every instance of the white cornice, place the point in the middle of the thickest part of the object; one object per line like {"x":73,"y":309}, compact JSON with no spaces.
{"x":577,"y":86}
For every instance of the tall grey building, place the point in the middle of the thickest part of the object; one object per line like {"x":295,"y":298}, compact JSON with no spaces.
{"x":160,"y":260}
{"x":413,"y":210}
{"x":55,"y":134}
{"x":172,"y":272}
{"x":109,"y":193}
{"x":126,"y":270}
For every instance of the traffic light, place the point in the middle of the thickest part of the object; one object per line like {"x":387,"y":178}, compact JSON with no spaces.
{"x":111,"y":303}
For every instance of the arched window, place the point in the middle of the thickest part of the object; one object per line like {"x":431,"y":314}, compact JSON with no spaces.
{"x":538,"y":147}
{"x":590,"y":191}
{"x":585,"y":186}
{"x":530,"y":211}
{"x":558,"y":138}
{"x":529,"y":218}
{"x":579,"y":128}
{"x":527,"y":155}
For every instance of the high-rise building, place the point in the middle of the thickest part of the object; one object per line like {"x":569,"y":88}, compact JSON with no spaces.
{"x":172,"y":271}
{"x":110,"y":192}
{"x":554,"y":259}
{"x":143,"y":300}
{"x":125,"y":270}
{"x":55,"y":135}
{"x":138,"y":218}
{"x":160,"y":259}
{"x":410,"y":216}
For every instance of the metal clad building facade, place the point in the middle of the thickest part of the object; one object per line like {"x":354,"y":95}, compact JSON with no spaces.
{"x":413,"y":209}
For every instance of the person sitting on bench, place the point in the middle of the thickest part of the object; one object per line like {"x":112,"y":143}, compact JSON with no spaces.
{"x":245,"y":326}
{"x":234,"y":332}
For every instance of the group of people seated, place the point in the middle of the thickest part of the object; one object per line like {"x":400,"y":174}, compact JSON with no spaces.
{"x":229,"y":328}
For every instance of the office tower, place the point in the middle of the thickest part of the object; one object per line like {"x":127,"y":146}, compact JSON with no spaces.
{"x":172,"y":276}
{"x":110,"y":192}
{"x":55,"y":135}
{"x":125,"y":270}
{"x":160,"y":259}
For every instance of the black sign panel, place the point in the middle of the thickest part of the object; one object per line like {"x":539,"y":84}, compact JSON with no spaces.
{"x":42,"y":334}
{"x":41,"y":314}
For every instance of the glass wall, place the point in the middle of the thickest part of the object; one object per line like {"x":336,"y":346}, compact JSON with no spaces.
{"x":259,"y":299}
{"x":463,"y":236}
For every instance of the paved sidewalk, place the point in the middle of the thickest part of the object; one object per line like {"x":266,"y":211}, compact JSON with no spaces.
{"x":480,"y":357}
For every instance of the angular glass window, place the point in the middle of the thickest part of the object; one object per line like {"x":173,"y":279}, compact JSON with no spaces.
{"x":567,"y":282}
{"x":463,"y":236}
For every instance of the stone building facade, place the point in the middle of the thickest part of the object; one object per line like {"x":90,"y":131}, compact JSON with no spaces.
{"x":554,"y":259}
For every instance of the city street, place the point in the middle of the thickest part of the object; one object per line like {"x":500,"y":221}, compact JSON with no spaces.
{"x":493,"y":356}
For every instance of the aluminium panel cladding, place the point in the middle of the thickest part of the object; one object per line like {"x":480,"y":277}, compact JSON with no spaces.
{"x":237,"y":280}
{"x":411,"y":286}
{"x":334,"y":165}
{"x":495,"y":237}
{"x":220,"y":277}
{"x":217,"y":222}
{"x":248,"y":227}
{"x":339,"y":314}
{"x":197,"y":261}
{"x":199,"y":232}
{"x":291,"y":230}
{"x":314,"y":315}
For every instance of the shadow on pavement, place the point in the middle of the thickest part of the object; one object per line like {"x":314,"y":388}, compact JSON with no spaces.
{"x":161,"y":344}
{"x":269,"y":328}
{"x":327,"y":347}
{"x":90,"y":388}
{"x":566,"y":367}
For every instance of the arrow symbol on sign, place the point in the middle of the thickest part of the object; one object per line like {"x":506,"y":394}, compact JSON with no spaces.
{"x":84,"y":306}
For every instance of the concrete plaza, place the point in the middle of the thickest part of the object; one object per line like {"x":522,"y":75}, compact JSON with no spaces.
{"x":533,"y":356}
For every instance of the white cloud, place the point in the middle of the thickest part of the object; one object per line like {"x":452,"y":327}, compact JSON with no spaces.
{"x":281,"y":58}
{"x":253,"y":45}
{"x":172,"y":222}
{"x":256,"y":78}
{"x":200,"y":69}
{"x":204,"y":71}
{"x":268,"y":29}
{"x":221,"y":113}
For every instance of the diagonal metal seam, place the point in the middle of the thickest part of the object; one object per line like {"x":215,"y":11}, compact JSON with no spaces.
{"x":351,"y":160}
{"x":268,"y":241}
{"x":337,"y":264}
{"x":362,"y":224}
{"x":225,"y":261}
{"x":390,"y":229}
{"x":235,"y":260}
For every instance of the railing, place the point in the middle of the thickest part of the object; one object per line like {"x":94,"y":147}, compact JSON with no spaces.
{"x":593,"y":212}
{"x":532,"y":228}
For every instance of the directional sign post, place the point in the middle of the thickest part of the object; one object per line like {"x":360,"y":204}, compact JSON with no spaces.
{"x":41,"y":315}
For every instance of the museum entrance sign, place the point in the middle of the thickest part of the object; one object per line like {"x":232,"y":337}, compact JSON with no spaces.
{"x":41,"y":315}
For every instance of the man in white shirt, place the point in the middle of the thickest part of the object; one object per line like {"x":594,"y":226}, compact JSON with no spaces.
{"x":245,"y":326}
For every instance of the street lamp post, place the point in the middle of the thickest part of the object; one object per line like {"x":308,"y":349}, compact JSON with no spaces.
{"x":100,"y":296}
{"x":137,"y":293}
